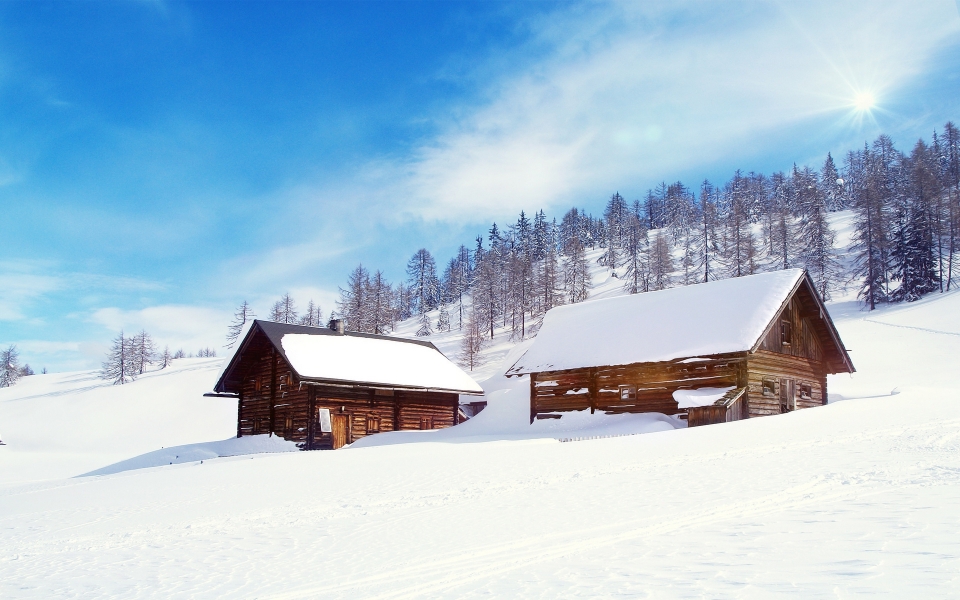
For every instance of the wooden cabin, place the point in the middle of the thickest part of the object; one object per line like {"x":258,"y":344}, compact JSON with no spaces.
{"x":713,"y":352}
{"x":324,"y":388}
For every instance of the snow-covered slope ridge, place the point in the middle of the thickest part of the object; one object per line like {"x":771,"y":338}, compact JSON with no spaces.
{"x":708,"y":318}
{"x":64,"y":424}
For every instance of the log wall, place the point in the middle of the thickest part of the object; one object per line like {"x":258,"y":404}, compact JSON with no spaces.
{"x":776,"y":367}
{"x":272,"y":400}
{"x":599,"y":388}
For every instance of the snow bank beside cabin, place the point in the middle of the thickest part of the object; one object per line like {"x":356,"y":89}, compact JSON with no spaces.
{"x":255,"y":444}
{"x":507,"y":417}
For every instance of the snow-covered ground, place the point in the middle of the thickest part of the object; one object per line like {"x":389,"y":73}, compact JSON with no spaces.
{"x":857,"y":498}
{"x":64,"y":424}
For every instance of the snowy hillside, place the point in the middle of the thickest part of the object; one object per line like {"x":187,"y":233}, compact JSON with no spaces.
{"x":857,"y":498}
{"x":64,"y":424}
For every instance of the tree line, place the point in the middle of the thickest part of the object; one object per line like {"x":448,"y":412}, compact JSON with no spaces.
{"x":906,"y":228}
{"x":130,"y":357}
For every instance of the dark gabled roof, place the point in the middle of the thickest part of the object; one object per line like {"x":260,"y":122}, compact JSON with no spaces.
{"x":437,"y":372}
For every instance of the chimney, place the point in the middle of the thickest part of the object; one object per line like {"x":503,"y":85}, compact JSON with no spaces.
{"x":336,"y":325}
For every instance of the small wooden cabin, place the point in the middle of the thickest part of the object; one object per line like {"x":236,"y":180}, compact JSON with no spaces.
{"x":746,"y":347}
{"x":324,"y":388}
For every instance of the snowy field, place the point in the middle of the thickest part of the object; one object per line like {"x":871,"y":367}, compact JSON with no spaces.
{"x":139,"y":491}
{"x":853,"y":499}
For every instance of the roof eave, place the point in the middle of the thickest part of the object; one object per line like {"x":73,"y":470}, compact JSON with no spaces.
{"x":385,"y":386}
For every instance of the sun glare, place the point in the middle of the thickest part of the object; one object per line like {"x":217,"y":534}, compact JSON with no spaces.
{"x":864,"y":101}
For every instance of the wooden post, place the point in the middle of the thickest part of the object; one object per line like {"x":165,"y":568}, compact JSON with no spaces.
{"x":311,"y":416}
{"x":593,"y":391}
{"x":396,"y":411}
{"x":273,"y":389}
{"x":743,"y":380}
{"x":240,"y":411}
{"x":533,"y":397}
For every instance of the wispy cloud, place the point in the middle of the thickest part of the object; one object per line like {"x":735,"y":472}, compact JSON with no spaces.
{"x":639,"y":90}
{"x":189,"y":327}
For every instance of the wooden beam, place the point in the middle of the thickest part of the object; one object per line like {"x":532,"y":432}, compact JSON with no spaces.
{"x":311,"y":417}
{"x":533,"y":397}
{"x":273,"y":389}
{"x":240,"y":412}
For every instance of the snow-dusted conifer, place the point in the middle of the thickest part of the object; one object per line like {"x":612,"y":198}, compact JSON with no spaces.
{"x":313,"y":317}
{"x":576,"y":273}
{"x":119,"y":366}
{"x":144,"y":352}
{"x":472,"y":342}
{"x":284,"y":310}
{"x":165,"y":358}
{"x":422,"y":281}
{"x":241,"y":317}
{"x":10,"y":371}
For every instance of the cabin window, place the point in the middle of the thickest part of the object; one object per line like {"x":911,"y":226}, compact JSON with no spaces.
{"x":769,"y":387}
{"x":806,"y":391}
{"x":323,"y":416}
{"x":373,"y":425}
{"x":628,"y":392}
{"x":257,"y":385}
{"x":288,"y":427}
{"x":426,"y":422}
{"x":786,"y":333}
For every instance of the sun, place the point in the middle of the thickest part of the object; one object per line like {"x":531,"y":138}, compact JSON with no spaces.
{"x":864,"y":101}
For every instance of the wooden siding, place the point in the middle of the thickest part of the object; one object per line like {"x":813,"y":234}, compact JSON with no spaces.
{"x":599,"y":388}
{"x":805,"y":341}
{"x":732,"y":407}
{"x":775,"y":367}
{"x":272,"y":400}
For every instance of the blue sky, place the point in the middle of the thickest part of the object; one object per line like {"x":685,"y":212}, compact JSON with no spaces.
{"x":162,"y":161}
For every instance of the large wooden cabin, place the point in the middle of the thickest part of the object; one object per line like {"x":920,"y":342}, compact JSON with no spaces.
{"x":323,"y":388}
{"x":751,"y":346}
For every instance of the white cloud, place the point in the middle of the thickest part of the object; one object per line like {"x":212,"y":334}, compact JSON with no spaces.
{"x":19,"y":287}
{"x":178,"y":326}
{"x":641,"y":91}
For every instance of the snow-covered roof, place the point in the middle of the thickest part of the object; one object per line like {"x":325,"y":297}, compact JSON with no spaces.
{"x":375,"y":360}
{"x":717,"y":317}
{"x":319,"y":354}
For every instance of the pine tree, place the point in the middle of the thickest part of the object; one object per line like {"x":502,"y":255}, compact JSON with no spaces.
{"x":576,"y":273}
{"x":10,"y":371}
{"x":615,"y":216}
{"x":353,"y":305}
{"x":913,"y":256}
{"x":706,"y":239}
{"x":472,"y":342}
{"x":284,"y":310}
{"x":143,"y":352}
{"x":381,"y":314}
{"x":179,"y":354}
{"x":868,"y":180}
{"x":636,"y":277}
{"x":818,"y":254}
{"x":165,"y":358}
{"x":119,"y":366}
{"x":313,"y":317}
{"x":443,"y":319}
{"x":661,"y":263}
{"x":833,"y":192}
{"x":424,"y":329}
{"x":241,"y":317}
{"x":740,"y":250}
{"x":422,"y":280}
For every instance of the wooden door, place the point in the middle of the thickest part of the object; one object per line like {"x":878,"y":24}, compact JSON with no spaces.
{"x":788,"y":395}
{"x":341,"y":429}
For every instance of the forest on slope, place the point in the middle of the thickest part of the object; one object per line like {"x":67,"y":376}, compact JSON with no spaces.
{"x":906,"y":240}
